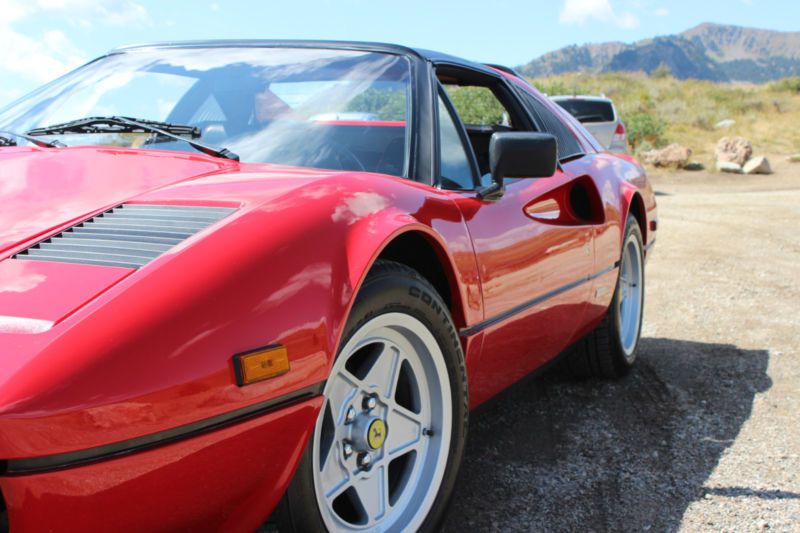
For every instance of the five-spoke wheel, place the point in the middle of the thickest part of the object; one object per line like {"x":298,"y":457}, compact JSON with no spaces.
{"x":390,"y":436}
{"x":380,"y":444}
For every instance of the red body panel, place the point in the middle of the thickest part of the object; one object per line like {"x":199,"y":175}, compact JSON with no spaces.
{"x":94,"y":356}
{"x":521,"y":259}
{"x":44,"y":189}
{"x":28,"y":288}
{"x":246,"y":469}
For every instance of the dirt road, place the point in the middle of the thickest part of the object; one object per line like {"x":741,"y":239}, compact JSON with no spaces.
{"x":705,"y":433}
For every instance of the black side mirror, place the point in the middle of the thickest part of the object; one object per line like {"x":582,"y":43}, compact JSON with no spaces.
{"x":520,"y":154}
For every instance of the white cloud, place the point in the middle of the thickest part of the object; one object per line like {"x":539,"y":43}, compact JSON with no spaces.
{"x":107,"y":12}
{"x":50,"y":53}
{"x":111,"y":12}
{"x":579,"y":12}
{"x":662,"y":12}
{"x":35,"y":58}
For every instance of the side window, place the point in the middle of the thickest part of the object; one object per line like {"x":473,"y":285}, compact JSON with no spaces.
{"x":478,"y":106}
{"x":485,"y":107}
{"x":568,"y":145}
{"x":455,"y":167}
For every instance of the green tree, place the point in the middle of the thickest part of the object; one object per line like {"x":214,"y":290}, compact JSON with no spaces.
{"x":386,"y":104}
{"x":476,"y":105}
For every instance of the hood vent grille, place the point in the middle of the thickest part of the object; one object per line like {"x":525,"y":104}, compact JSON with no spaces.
{"x":130,"y":235}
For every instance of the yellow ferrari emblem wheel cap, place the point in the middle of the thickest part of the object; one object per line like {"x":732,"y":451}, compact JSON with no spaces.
{"x":376,"y":434}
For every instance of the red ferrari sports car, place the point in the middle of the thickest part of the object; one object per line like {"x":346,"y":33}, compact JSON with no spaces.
{"x":260,"y":278}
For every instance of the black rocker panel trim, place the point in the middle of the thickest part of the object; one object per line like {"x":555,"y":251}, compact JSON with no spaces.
{"x":480,"y":326}
{"x":61,"y":461}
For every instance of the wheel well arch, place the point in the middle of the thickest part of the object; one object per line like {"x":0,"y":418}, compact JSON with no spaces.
{"x":636,"y":208}
{"x":419,"y":251}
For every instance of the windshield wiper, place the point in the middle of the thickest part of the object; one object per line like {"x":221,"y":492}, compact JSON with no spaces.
{"x":117,"y":124}
{"x":6,"y":140}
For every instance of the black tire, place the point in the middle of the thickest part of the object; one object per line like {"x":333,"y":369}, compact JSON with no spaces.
{"x":392,"y":287}
{"x":600,"y":353}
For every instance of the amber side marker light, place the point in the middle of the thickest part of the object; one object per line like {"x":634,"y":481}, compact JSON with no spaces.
{"x":261,"y":364}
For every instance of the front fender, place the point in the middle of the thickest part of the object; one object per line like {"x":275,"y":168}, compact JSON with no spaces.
{"x":153,"y":353}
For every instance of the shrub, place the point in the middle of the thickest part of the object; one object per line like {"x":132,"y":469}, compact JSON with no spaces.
{"x":790,"y":85}
{"x":661,"y":72}
{"x":476,"y":105}
{"x":644,"y":129}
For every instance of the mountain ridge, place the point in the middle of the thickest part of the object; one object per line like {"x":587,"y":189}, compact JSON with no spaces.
{"x":707,"y":51}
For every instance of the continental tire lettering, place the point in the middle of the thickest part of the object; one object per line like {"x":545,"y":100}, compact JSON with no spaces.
{"x":427,"y":298}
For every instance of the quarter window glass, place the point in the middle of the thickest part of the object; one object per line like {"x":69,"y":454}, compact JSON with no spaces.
{"x":568,"y":145}
{"x":456,"y":171}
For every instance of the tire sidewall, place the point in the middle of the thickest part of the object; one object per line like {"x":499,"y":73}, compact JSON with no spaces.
{"x":396,"y":289}
{"x":624,"y":361}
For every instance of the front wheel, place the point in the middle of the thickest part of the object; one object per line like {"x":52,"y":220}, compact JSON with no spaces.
{"x":390,"y":436}
{"x":610,"y":349}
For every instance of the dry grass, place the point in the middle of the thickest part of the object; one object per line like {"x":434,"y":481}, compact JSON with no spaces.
{"x":768,"y":115}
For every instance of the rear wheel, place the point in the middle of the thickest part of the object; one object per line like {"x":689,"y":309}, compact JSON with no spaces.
{"x":389,"y":439}
{"x":610,"y":349}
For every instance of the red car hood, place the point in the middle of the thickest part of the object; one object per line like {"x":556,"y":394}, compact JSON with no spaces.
{"x":43,"y":189}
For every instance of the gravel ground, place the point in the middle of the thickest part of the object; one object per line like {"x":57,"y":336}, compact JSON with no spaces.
{"x":704,"y":435}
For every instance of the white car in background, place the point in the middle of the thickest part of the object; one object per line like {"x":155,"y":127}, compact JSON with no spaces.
{"x":600,"y":117}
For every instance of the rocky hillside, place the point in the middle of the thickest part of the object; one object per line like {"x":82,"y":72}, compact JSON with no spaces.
{"x":708,"y":52}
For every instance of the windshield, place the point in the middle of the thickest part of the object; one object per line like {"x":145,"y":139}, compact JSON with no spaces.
{"x":322,"y":108}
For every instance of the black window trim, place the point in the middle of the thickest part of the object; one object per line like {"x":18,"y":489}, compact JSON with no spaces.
{"x":462,"y":135}
{"x":533,"y":115}
{"x":518,"y":109}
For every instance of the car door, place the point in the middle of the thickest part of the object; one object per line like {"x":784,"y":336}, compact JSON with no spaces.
{"x":533,"y":258}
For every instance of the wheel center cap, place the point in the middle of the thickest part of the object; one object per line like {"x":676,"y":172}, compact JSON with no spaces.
{"x":376,"y":433}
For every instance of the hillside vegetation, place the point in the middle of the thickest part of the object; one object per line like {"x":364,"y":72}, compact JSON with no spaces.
{"x":714,"y":52}
{"x":659,"y":109}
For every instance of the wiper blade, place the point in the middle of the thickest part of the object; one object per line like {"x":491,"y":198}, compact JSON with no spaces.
{"x":6,"y":140}
{"x":117,"y":124}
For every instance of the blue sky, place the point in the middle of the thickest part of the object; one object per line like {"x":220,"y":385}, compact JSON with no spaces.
{"x":41,"y":39}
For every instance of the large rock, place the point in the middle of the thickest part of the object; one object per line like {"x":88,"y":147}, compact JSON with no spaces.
{"x":734,"y":149}
{"x":757,"y":165}
{"x":729,"y":166}
{"x":673,"y":156}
